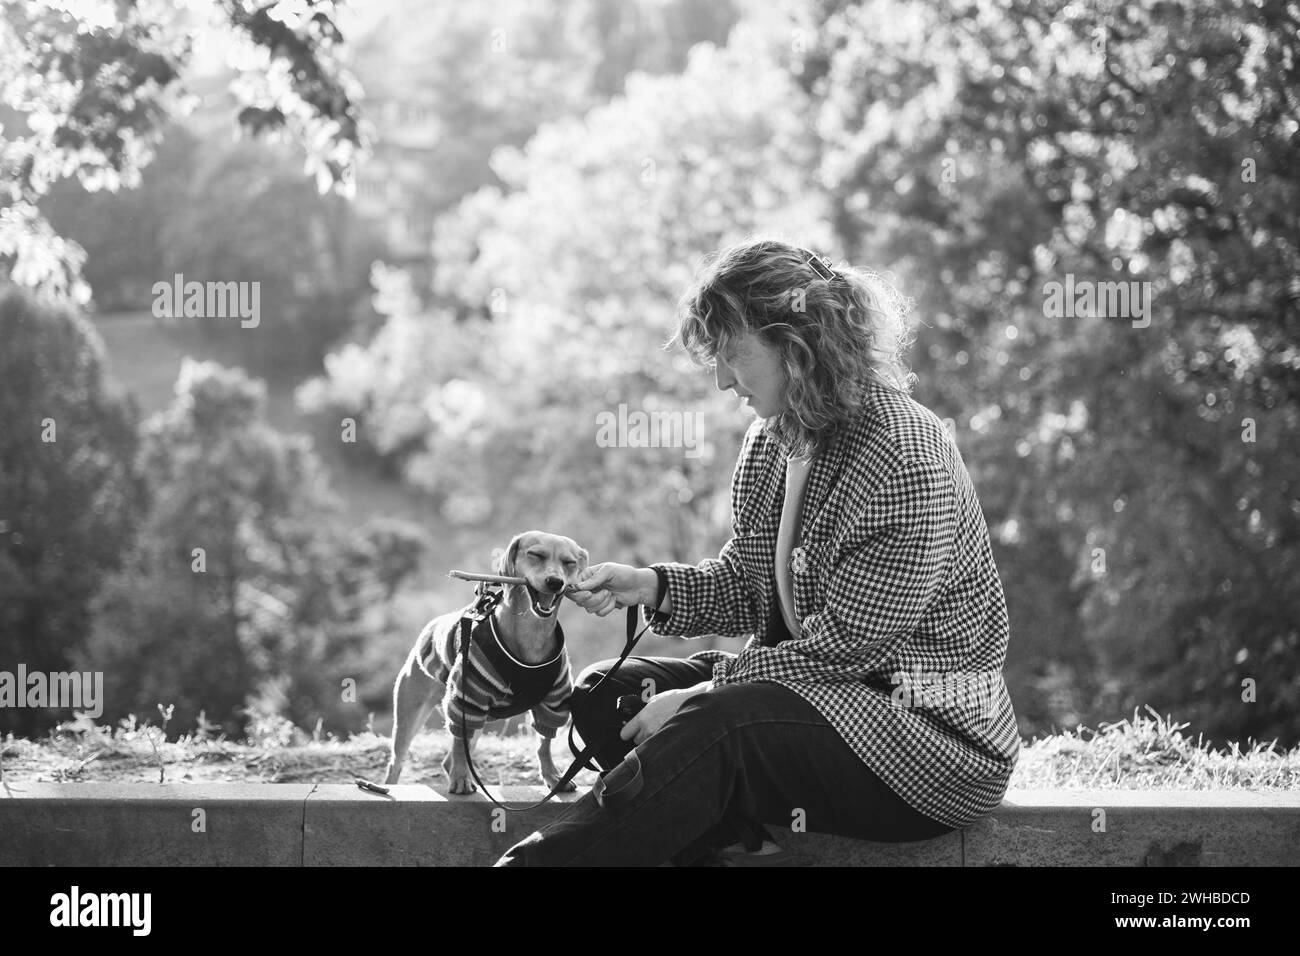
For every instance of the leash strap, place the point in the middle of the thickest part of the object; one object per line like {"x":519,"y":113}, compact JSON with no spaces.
{"x":487,"y":602}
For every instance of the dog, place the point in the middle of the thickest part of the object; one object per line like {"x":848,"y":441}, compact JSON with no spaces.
{"x":518,"y":662}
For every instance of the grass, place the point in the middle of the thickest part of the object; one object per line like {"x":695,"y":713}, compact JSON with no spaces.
{"x":1143,"y":752}
{"x":81,"y":752}
{"x":1151,"y":752}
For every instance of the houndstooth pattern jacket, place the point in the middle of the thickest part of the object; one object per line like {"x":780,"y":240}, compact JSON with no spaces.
{"x":904,"y":619}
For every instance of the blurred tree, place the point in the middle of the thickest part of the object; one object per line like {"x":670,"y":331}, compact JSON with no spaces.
{"x":652,"y":36}
{"x":1140,"y":480}
{"x":448,"y":84}
{"x":123,"y":233}
{"x":210,"y":209}
{"x":93,"y":84}
{"x":452,"y":82}
{"x":566,"y":280}
{"x":70,"y":493}
{"x":240,"y":586}
{"x":248,"y":214}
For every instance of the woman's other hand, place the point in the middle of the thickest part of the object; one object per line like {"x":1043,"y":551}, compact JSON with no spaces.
{"x":604,"y":587}
{"x":658,"y":710}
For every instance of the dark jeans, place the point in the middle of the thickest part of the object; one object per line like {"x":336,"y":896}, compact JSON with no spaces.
{"x":729,"y":760}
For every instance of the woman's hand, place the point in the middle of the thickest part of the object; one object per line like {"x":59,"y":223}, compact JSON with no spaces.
{"x":604,"y":587}
{"x":658,"y":710}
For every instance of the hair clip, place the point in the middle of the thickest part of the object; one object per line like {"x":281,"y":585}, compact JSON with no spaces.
{"x":822,"y":267}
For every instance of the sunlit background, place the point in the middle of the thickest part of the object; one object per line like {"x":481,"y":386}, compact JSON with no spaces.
{"x":469,"y":224}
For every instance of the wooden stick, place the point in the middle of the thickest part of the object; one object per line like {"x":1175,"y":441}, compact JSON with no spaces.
{"x":496,"y":579}
{"x":487,"y":578}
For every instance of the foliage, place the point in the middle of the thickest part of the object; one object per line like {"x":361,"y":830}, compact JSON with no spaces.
{"x":95,"y":82}
{"x":124,"y":234}
{"x":1140,"y":479}
{"x":70,"y":491}
{"x":212,"y":210}
{"x":240,"y":589}
{"x":561,"y":288}
{"x":249,"y":215}
{"x":471,"y":77}
{"x":651,"y":36}
{"x":449,"y":84}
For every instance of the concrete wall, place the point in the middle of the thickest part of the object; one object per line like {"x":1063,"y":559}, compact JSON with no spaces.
{"x":90,"y":824}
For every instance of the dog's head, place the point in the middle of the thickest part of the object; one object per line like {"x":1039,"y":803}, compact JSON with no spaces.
{"x":548,"y":562}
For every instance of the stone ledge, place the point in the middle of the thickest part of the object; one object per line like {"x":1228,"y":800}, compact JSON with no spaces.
{"x":417,"y":825}
{"x":95,"y":824}
{"x":1141,"y":828}
{"x":140,"y":824}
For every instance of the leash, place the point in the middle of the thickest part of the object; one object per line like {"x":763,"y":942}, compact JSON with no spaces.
{"x":485,"y":605}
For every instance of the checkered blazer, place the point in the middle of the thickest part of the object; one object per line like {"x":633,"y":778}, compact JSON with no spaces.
{"x":904,"y":619}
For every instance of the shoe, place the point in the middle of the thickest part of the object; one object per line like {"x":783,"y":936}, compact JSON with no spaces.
{"x":770,"y":854}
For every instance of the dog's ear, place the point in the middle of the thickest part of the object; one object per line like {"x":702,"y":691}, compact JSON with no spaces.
{"x":584,"y":560}
{"x":503,"y":562}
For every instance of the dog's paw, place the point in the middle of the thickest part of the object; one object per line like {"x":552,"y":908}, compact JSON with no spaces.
{"x":458,"y":777}
{"x":463,"y":785}
{"x":552,"y":777}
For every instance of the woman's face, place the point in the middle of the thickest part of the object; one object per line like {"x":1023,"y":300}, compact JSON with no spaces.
{"x":753,"y":369}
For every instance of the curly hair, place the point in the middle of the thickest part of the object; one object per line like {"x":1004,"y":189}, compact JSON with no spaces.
{"x":839,"y":332}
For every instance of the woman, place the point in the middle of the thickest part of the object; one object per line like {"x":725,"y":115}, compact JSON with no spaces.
{"x":869,"y":700}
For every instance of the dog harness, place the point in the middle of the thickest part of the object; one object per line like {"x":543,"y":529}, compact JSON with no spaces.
{"x":497,"y":684}
{"x":465,"y":626}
